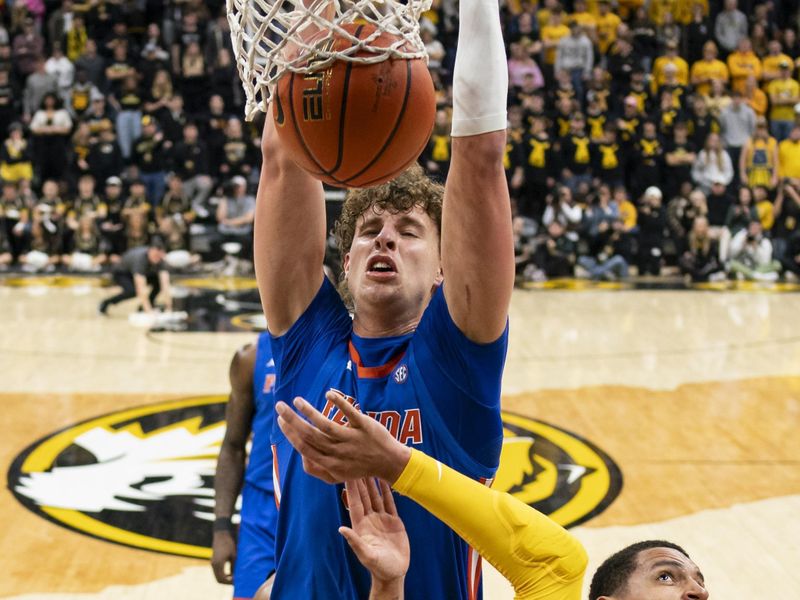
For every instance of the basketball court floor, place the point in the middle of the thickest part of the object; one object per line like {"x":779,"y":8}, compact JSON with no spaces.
{"x":630,"y":414}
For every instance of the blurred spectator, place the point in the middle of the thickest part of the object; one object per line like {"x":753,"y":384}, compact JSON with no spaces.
{"x":235,"y":215}
{"x":737,"y":124}
{"x":751,"y":255}
{"x":80,"y":94}
{"x":37,"y":251}
{"x":9,"y":101}
{"x":37,"y":86}
{"x":700,"y":259}
{"x":127,"y":100}
{"x":606,"y":24}
{"x":112,"y":226}
{"x":91,"y":62}
{"x":575,"y":56}
{"x":27,"y":49}
{"x":556,"y":255}
{"x":237,"y":151}
{"x":742,"y":63}
{"x":708,"y":69}
{"x":60,"y":67}
{"x":755,"y":96}
{"x":712,"y":164}
{"x":190,"y":161}
{"x":680,"y":154}
{"x":697,"y":33}
{"x":436,"y":155}
{"x":730,"y":26}
{"x":669,"y":58}
{"x":6,"y":258}
{"x":77,"y":41}
{"x":16,"y":156}
{"x":784,"y":93}
{"x":772,"y":62}
{"x":609,"y":158}
{"x":150,"y":155}
{"x":551,"y":34}
{"x":86,"y":250}
{"x":789,"y":155}
{"x":104,"y":159}
{"x":433,"y":47}
{"x":51,"y":126}
{"x":576,"y":156}
{"x":652,"y":219}
{"x":682,"y":211}
{"x":13,"y":212}
{"x":759,"y":163}
{"x":523,"y":70}
{"x":741,"y":214}
{"x":603,"y":226}
{"x":175,"y":204}
{"x":649,"y":156}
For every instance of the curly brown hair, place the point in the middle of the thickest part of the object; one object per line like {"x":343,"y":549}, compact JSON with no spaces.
{"x":409,"y":189}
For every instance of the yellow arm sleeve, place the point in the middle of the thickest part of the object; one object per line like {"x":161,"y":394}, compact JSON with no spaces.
{"x":539,"y":557}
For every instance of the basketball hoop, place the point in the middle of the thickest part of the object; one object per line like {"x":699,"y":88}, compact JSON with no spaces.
{"x":268,"y":38}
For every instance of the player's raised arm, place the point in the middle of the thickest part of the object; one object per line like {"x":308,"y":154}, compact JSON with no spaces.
{"x":477,"y":242}
{"x":288,"y":236}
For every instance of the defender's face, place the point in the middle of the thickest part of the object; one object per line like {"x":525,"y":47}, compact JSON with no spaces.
{"x":664,"y":574}
{"x":393,"y":260}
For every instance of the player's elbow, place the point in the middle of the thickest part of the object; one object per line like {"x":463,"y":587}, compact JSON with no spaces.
{"x":484,"y":152}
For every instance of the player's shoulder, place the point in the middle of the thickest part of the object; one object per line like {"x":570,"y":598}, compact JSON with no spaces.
{"x":243,"y":361}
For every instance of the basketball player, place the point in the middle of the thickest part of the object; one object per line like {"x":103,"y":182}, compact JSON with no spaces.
{"x":250,"y":410}
{"x":540,"y":558}
{"x":424,"y":352}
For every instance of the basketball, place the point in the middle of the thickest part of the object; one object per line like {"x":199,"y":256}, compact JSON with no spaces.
{"x":356,"y":125}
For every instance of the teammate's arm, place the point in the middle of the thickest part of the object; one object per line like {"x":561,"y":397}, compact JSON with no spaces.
{"x":477,"y":242}
{"x":288,"y":235}
{"x":230,"y":464}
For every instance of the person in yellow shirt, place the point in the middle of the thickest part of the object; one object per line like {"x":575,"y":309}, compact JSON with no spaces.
{"x":743,"y":63}
{"x":550,"y":35}
{"x":789,"y":155}
{"x":708,"y":69}
{"x":771,"y":62}
{"x":784,"y":93}
{"x":755,"y":96}
{"x":541,"y":559}
{"x":607,"y":24}
{"x":584,"y":18}
{"x":759,"y":162}
{"x":671,"y":57}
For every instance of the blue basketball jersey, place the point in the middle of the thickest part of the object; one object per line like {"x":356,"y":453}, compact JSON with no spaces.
{"x":433,"y":389}
{"x":259,"y":465}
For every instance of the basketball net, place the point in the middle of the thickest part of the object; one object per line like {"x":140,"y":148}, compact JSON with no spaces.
{"x":268,"y":38}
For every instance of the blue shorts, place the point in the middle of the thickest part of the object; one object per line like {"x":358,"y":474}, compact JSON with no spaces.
{"x":255,"y":550}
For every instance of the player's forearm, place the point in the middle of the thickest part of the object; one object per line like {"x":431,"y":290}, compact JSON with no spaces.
{"x":288,"y":236}
{"x":228,"y":480}
{"x":528,"y":548}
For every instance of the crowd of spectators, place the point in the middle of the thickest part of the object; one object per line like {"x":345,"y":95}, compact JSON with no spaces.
{"x":642,"y":134}
{"x":646,"y":134}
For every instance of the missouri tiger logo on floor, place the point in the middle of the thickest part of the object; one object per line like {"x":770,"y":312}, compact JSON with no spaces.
{"x":144,"y":476}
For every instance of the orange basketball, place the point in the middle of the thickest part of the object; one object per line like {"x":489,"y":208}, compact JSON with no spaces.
{"x":356,"y":125}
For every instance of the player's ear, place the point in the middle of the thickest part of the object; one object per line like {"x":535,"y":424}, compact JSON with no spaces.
{"x":346,"y":264}
{"x":439,"y":277}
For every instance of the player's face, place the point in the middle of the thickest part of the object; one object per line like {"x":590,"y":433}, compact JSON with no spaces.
{"x":664,"y":574}
{"x":393,"y":261}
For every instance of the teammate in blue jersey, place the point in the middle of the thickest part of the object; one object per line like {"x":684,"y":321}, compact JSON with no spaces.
{"x":251,"y":562}
{"x":429,"y":274}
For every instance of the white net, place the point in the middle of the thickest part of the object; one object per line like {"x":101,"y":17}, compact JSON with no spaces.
{"x":272,"y":36}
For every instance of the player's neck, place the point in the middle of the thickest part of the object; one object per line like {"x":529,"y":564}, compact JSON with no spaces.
{"x":376,"y":324}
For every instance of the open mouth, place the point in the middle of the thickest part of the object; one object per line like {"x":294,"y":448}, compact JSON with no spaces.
{"x":380,"y":264}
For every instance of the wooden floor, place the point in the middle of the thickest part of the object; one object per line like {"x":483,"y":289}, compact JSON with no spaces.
{"x":695,"y":396}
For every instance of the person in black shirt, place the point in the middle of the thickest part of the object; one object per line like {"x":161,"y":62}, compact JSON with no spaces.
{"x":190,"y":163}
{"x":576,"y":155}
{"x":679,"y":156}
{"x":652,"y":222}
{"x":608,"y":158}
{"x":700,"y":260}
{"x":112,"y":226}
{"x":105,"y":156}
{"x":540,"y":169}
{"x":151,"y":157}
{"x":137,"y":269}
{"x":702,"y":123}
{"x":237,"y":151}
{"x":9,"y":100}
{"x":128,"y":102}
{"x":648,"y":158}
